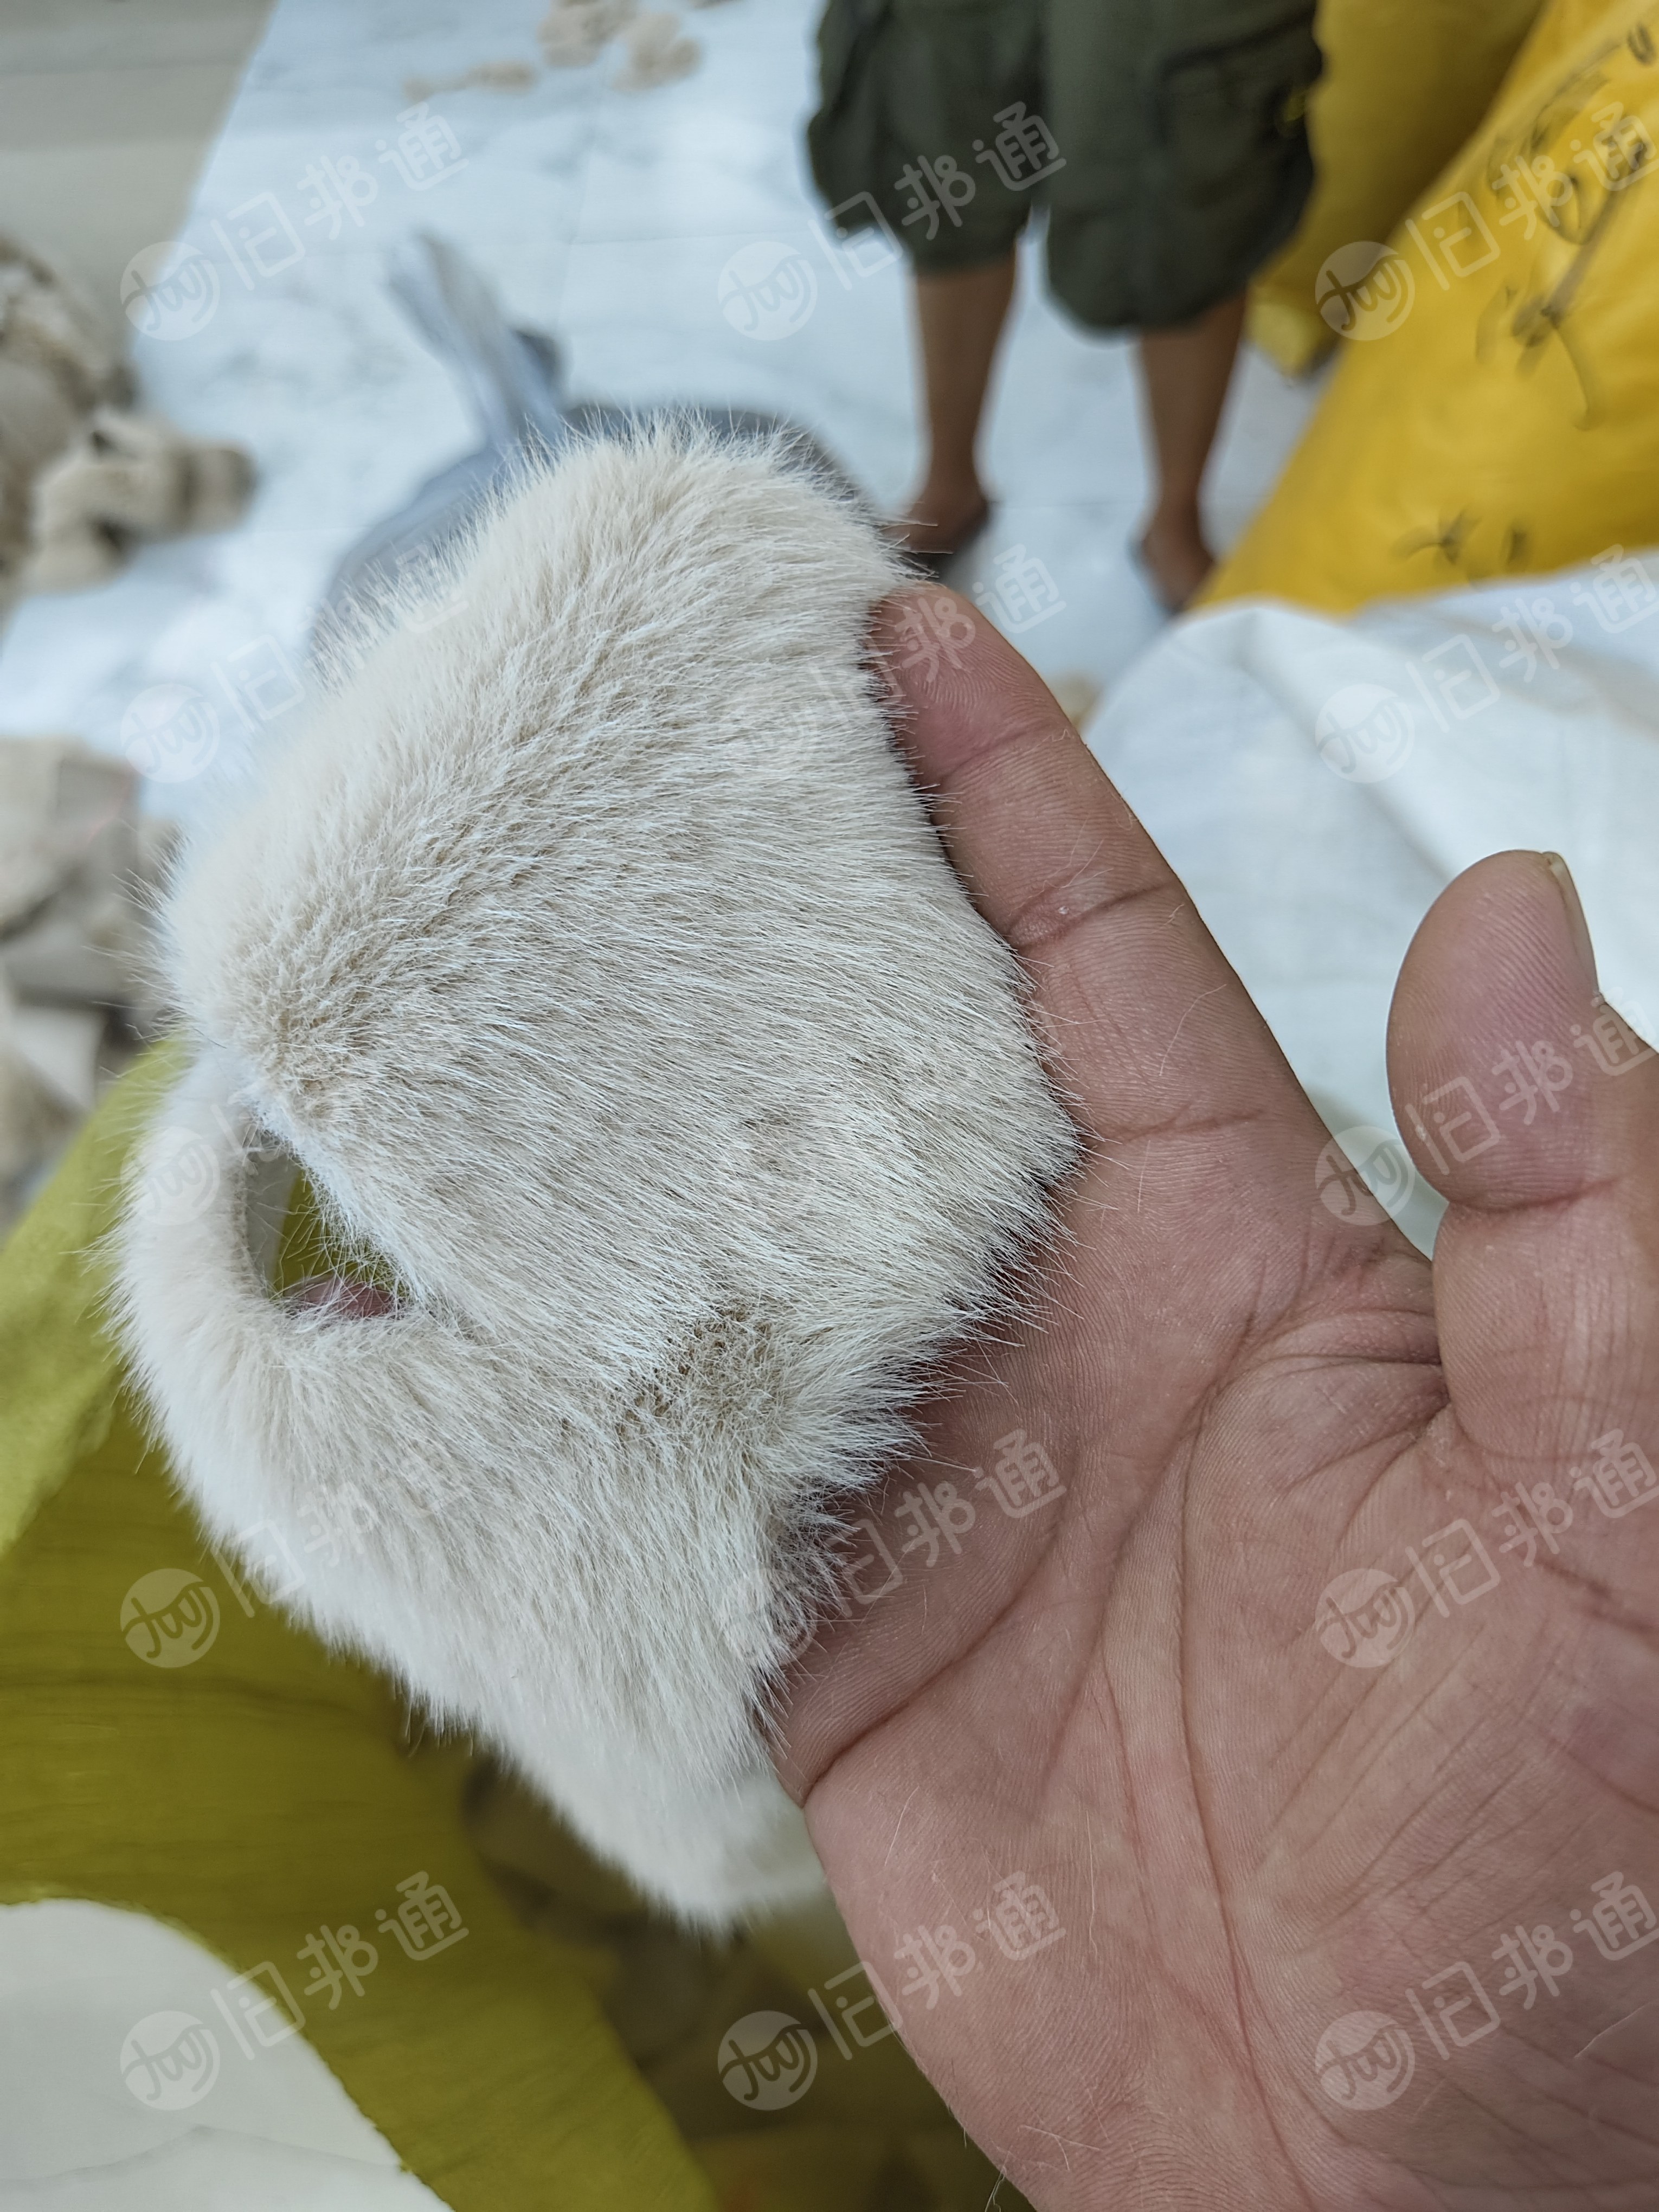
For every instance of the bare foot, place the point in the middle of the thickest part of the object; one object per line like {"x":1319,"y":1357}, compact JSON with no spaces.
{"x":1175,"y":559}
{"x":940,"y":523}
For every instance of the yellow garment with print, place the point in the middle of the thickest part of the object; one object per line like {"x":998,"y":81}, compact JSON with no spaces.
{"x":1404,"y":84}
{"x":1495,"y":410}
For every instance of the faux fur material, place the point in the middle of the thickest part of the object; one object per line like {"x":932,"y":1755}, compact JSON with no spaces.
{"x":594,"y":953}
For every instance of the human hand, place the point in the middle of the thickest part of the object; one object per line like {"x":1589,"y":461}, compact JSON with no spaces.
{"x":1140,"y":1698}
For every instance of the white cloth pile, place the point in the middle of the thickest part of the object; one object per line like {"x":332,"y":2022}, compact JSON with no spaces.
{"x":1316,"y":782}
{"x":82,"y":477}
{"x":77,"y":866}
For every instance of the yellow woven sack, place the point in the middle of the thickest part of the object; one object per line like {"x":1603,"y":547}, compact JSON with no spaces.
{"x":1405,"y":83}
{"x":1496,"y":410}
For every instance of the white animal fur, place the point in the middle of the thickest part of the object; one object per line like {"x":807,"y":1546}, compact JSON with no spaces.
{"x":594,"y":955}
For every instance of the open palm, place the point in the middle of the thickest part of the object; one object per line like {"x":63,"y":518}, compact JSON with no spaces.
{"x":1257,"y":1803}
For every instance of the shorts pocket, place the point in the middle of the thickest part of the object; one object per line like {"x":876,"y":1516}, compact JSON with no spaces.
{"x":1231,"y":115}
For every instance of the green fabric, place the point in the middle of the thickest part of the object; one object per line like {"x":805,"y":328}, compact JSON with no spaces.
{"x":567,"y":2053}
{"x":58,"y":1370}
{"x":1178,"y":160}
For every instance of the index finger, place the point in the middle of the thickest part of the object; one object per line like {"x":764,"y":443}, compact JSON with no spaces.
{"x":1149,"y":1028}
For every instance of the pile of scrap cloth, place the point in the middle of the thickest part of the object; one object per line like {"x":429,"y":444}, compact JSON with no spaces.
{"x":78,"y":865}
{"x":1315,"y":781}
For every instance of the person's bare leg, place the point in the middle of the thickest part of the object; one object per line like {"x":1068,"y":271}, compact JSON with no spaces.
{"x":959,"y":318}
{"x":1184,"y":374}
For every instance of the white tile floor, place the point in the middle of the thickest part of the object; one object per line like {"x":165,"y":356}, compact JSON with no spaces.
{"x":606,"y":217}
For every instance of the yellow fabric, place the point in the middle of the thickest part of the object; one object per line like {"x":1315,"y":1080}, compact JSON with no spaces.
{"x":1404,"y":84}
{"x":1503,"y":418}
{"x":57,"y":1369}
{"x":565,"y":2054}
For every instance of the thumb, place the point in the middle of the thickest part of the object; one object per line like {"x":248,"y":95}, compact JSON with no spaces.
{"x":1534,"y":1107}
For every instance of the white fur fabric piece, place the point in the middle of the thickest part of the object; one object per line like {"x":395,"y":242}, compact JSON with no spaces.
{"x":592,"y":953}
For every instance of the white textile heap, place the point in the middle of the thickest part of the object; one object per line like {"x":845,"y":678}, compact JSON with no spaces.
{"x":1316,"y":782}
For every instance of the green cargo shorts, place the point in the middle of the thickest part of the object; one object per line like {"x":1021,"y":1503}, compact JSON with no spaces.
{"x":1164,"y":140}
